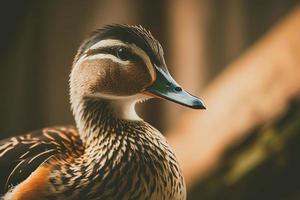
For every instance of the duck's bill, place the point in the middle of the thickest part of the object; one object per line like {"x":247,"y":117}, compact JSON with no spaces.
{"x":166,"y":87}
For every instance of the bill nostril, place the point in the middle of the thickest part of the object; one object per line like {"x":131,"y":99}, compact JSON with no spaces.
{"x":169,"y":84}
{"x":178,"y":89}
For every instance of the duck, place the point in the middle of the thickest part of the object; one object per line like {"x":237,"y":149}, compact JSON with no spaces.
{"x":111,"y":153}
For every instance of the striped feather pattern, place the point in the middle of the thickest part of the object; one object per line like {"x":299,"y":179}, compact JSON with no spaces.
{"x":21,"y":155}
{"x":122,"y":160}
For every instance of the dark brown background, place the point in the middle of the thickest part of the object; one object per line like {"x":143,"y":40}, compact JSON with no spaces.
{"x":39,"y":40}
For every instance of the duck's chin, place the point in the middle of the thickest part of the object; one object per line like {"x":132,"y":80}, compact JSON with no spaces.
{"x":123,"y":106}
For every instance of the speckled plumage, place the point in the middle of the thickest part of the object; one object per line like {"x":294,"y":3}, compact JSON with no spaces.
{"x":122,"y":160}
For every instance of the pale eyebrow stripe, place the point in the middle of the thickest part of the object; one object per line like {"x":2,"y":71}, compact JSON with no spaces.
{"x":107,"y":43}
{"x":106,"y":56}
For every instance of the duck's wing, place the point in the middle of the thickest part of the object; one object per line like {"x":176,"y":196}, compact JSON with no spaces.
{"x":22,"y":155}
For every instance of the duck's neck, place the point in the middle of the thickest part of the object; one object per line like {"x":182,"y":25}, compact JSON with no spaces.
{"x":97,"y":117}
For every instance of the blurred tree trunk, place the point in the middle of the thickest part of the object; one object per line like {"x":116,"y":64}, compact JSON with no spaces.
{"x":265,"y":165}
{"x":255,"y":90}
{"x":187,"y":60}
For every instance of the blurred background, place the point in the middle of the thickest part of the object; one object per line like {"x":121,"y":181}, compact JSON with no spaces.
{"x":220,"y":159}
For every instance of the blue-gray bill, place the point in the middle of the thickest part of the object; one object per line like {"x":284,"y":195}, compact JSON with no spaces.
{"x":166,"y":87}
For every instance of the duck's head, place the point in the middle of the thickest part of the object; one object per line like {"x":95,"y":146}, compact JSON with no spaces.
{"x":125,"y":63}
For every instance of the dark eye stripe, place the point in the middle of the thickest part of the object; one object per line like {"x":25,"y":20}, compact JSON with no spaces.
{"x":105,"y":50}
{"x":112,"y":51}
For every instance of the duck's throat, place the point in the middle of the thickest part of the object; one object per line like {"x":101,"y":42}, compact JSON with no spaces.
{"x":97,"y":117}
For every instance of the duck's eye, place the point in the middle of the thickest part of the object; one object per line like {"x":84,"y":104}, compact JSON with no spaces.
{"x":123,"y":53}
